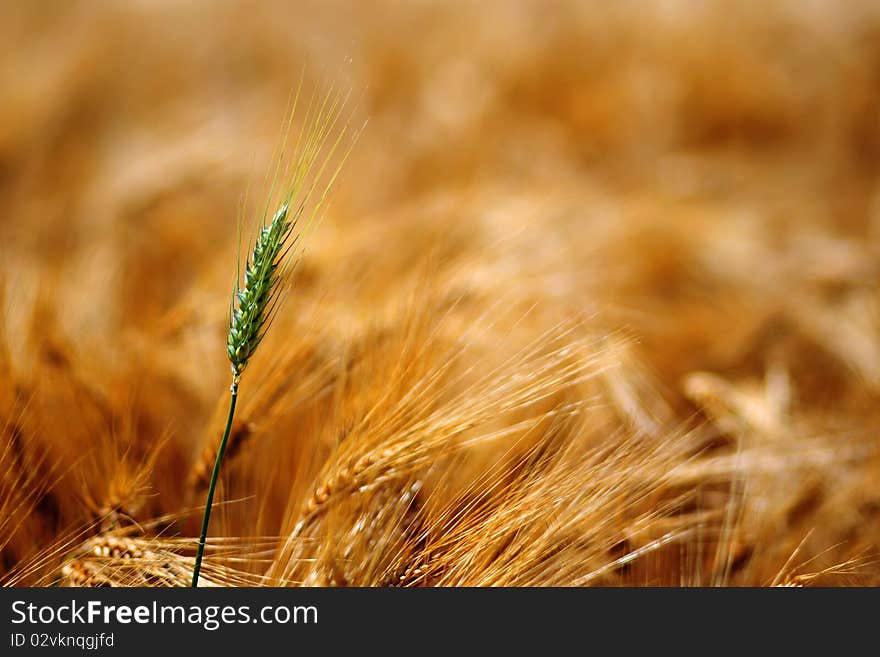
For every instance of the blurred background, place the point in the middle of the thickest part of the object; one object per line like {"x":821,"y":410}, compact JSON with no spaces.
{"x":700,"y":176}
{"x":655,"y":151}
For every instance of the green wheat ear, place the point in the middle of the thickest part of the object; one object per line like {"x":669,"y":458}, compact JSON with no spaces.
{"x":256,"y":299}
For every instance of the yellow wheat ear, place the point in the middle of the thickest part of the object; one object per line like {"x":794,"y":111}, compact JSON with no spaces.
{"x":305,"y":180}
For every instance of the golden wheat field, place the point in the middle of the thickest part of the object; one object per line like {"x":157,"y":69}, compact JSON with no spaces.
{"x":592,"y":301}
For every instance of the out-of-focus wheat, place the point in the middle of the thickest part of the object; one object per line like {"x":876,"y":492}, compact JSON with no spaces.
{"x":595,"y":303}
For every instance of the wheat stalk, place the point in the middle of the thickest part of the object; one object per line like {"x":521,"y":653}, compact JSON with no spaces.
{"x":256,"y":301}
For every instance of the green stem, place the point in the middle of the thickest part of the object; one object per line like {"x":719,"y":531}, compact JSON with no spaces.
{"x":214,"y":476}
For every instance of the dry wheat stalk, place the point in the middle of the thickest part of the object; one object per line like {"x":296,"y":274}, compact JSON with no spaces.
{"x":114,"y":559}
